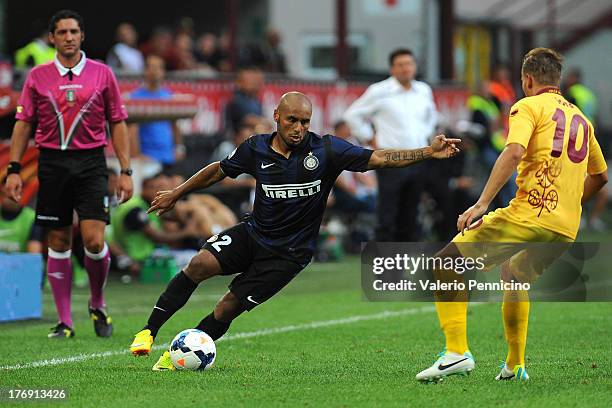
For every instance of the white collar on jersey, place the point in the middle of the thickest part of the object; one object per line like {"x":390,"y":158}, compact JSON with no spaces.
{"x":76,"y":70}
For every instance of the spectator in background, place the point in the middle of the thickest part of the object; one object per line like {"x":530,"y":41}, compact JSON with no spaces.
{"x":502,"y":93}
{"x":353,"y":192}
{"x":136,"y":233}
{"x":268,"y":56}
{"x":207,"y":53}
{"x":186,"y":25}
{"x":581,"y":96}
{"x":208,"y":214}
{"x":17,"y":230}
{"x":237,"y":193}
{"x":225,"y":50}
{"x":403,"y":112}
{"x":245,"y":107}
{"x":37,"y":52}
{"x":157,"y":140}
{"x":183,"y":47}
{"x":124,"y":55}
{"x":501,"y":89}
{"x":489,"y":135}
{"x":161,"y":44}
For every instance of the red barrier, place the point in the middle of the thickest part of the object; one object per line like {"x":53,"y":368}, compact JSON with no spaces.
{"x":330,"y":101}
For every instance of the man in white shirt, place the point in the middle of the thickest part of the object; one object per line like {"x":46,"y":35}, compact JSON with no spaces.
{"x":398,"y":112}
{"x":124,"y":55}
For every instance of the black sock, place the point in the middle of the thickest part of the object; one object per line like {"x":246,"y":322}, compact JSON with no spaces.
{"x":174,"y":297}
{"x":211,"y":326}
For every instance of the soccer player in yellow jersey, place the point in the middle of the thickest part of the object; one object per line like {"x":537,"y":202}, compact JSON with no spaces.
{"x":552,"y":146}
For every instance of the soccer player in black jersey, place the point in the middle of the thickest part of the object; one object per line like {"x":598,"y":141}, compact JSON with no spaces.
{"x":295,"y":170}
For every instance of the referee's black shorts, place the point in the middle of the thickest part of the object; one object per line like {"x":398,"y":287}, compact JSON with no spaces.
{"x":71,"y":180}
{"x":262,"y":273}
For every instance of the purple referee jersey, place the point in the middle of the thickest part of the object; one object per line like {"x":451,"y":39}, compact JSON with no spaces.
{"x":71,"y":110}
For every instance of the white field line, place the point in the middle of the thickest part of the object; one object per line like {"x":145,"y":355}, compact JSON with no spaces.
{"x":245,"y":335}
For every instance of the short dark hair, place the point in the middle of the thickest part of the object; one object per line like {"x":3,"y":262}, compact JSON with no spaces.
{"x":545,"y":64}
{"x":398,"y":52}
{"x":65,"y":14}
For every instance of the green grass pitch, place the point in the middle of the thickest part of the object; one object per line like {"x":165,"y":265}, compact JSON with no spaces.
{"x":315,"y":344}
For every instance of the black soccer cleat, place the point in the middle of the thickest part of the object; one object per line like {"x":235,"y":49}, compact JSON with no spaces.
{"x":103,"y":324}
{"x":61,"y":331}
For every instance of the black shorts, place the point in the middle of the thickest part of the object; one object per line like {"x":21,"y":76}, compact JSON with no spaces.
{"x":262,"y":273}
{"x":71,"y":180}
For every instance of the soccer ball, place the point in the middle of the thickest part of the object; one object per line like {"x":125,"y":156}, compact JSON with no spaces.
{"x":192,"y":349}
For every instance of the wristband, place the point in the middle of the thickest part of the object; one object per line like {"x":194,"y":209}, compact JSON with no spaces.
{"x":13,"y":168}
{"x":127,"y":172}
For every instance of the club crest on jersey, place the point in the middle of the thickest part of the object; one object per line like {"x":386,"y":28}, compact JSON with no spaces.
{"x":311,"y":162}
{"x":70,"y":96}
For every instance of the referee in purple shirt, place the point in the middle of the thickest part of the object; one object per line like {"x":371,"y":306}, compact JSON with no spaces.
{"x":69,"y":102}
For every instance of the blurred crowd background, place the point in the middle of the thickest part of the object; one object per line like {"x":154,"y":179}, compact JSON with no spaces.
{"x":200,"y":78}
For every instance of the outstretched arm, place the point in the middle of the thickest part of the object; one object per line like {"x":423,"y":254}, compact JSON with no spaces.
{"x":441,"y":148}
{"x":164,"y":200}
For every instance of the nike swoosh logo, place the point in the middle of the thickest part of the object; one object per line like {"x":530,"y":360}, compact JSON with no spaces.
{"x":444,"y":367}
{"x":250,"y":299}
{"x":265,"y":166}
{"x":159,"y":308}
{"x":56,"y":275}
{"x":137,"y":345}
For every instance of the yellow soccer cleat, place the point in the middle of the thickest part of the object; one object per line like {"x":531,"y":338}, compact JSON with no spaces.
{"x":143,"y":341}
{"x":164,"y":363}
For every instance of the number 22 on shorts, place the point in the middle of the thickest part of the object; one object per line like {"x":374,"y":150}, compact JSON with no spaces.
{"x":217,"y":242}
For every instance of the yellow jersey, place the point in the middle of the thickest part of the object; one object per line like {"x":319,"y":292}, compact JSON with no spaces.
{"x":561,"y":149}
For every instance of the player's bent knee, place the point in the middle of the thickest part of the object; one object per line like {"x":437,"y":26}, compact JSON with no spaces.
{"x":60,"y":240}
{"x":202,"y":266}
{"x":94,"y":246}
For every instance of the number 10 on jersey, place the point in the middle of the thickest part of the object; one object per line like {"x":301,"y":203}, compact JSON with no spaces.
{"x":576,"y":123}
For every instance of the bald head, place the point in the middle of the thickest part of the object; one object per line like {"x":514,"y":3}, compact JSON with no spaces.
{"x":292,"y":117}
{"x":294,"y":100}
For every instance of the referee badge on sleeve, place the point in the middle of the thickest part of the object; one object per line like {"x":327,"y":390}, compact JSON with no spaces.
{"x":311,"y":162}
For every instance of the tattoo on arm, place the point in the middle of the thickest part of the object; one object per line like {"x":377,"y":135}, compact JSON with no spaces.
{"x":388,"y":158}
{"x":398,"y":156}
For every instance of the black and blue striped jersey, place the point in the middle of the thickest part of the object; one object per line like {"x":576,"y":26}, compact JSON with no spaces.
{"x":291,"y":193}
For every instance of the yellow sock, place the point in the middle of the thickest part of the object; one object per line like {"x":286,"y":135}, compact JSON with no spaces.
{"x":515,"y":310}
{"x":453,"y":320}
